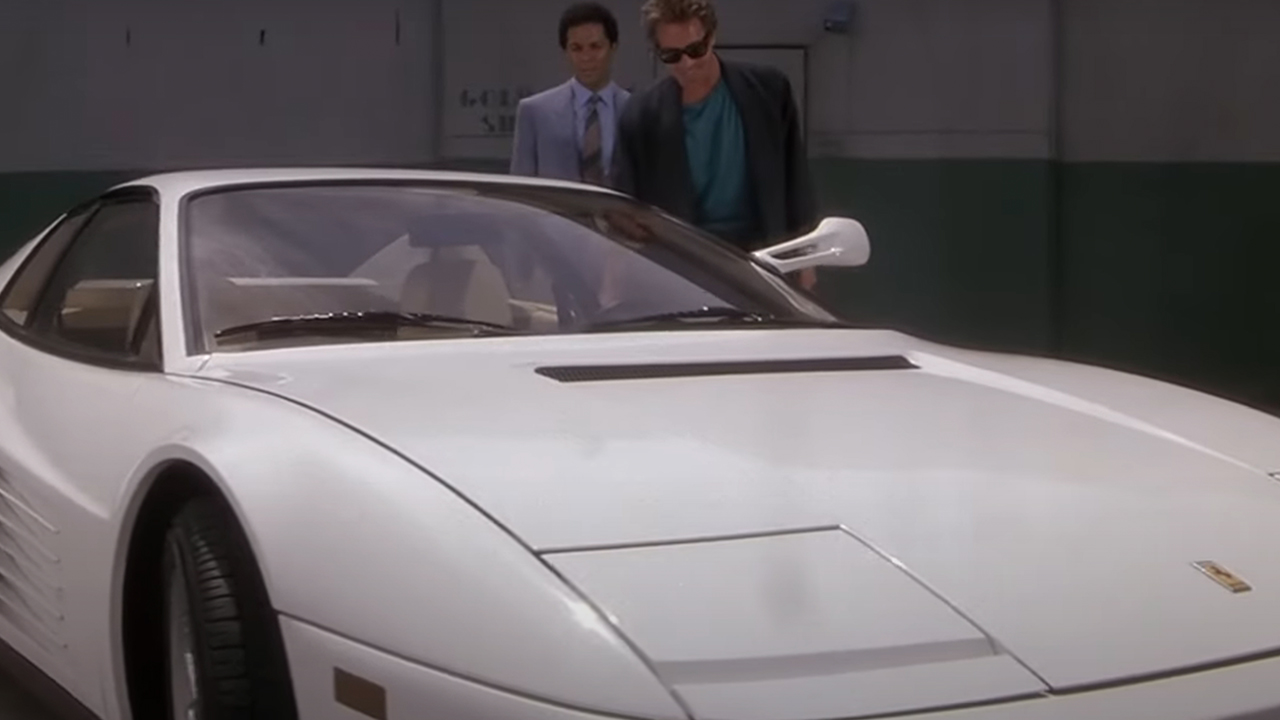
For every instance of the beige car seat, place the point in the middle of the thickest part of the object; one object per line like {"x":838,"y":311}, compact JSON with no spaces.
{"x":104,"y":313}
{"x":460,"y":281}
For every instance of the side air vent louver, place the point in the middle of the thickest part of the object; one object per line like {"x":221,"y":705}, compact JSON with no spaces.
{"x":652,"y":371}
{"x":30,"y":587}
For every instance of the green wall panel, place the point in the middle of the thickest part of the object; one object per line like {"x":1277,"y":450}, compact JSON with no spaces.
{"x":30,"y":201}
{"x":1171,"y":269}
{"x":1167,"y":270}
{"x":960,"y":250}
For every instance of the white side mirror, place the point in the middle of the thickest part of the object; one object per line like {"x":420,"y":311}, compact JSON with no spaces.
{"x":837,"y":241}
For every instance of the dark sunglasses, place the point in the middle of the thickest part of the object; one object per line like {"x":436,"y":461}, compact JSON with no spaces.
{"x":695,"y":50}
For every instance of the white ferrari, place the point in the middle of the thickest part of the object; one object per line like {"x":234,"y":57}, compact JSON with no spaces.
{"x":400,"y":445}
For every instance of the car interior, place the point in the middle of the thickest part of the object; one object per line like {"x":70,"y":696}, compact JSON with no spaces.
{"x":105,"y":314}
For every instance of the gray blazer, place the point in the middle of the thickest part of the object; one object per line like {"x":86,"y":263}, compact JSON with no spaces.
{"x":546,"y":139}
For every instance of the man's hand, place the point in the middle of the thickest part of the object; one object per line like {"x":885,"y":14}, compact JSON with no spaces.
{"x":807,"y":278}
{"x":632,"y":227}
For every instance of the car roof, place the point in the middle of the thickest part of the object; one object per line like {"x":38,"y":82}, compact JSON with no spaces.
{"x":179,"y":183}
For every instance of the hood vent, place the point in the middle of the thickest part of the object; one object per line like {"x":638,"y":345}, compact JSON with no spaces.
{"x":654,"y":371}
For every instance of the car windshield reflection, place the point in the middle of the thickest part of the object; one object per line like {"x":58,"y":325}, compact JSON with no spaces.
{"x":423,"y":261}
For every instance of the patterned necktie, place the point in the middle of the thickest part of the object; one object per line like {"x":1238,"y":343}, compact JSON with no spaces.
{"x":592,"y":153}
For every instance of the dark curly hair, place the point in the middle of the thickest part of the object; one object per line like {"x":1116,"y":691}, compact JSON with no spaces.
{"x":588,"y":13}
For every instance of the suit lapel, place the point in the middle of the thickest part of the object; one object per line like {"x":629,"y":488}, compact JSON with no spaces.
{"x":563,"y":126}
{"x":671,"y":139}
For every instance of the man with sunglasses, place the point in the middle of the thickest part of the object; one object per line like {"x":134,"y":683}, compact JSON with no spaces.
{"x":717,"y":143}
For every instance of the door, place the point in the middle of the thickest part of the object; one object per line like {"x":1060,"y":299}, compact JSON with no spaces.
{"x":77,"y":337}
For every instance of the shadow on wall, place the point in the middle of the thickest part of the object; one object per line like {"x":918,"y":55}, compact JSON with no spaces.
{"x":1160,"y":269}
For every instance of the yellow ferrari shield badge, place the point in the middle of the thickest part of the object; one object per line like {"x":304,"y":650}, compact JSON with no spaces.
{"x":1223,"y":576}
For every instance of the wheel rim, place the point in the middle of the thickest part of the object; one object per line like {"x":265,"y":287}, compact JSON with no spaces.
{"x":184,"y":692}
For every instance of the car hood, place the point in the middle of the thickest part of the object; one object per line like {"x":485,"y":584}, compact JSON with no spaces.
{"x":865,"y":535}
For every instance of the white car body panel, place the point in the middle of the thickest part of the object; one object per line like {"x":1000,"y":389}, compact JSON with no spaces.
{"x":979,"y":490}
{"x":1238,"y":432}
{"x":793,"y":626}
{"x":985,"y":530}
{"x":283,"y":481}
{"x":1237,"y":693}
{"x":497,"y":616}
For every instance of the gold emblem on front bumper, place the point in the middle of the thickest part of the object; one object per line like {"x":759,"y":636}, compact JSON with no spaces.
{"x":1223,"y":576}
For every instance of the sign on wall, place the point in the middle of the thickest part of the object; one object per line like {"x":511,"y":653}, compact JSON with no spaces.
{"x":491,"y":111}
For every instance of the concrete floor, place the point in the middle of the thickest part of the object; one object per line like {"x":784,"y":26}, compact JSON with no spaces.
{"x":16,"y":704}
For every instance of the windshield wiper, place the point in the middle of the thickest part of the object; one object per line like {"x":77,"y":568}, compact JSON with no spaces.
{"x":716,"y":314}
{"x":380,"y":320}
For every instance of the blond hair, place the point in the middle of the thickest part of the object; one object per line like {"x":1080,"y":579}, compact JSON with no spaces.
{"x":660,"y":12}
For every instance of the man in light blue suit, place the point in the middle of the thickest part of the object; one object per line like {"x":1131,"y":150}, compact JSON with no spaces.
{"x":568,"y":131}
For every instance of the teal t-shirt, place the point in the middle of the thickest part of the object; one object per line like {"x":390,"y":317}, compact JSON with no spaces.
{"x":716,"y":145}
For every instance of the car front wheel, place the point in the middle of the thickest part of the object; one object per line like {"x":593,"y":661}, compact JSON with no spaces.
{"x":224,"y":655}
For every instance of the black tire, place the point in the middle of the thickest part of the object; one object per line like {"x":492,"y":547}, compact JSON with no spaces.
{"x":236,"y":650}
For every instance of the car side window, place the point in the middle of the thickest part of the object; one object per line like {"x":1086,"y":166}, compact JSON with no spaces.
{"x":101,"y":298}
{"x":24,"y":289}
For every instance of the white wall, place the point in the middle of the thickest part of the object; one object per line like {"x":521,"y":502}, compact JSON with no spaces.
{"x":938,"y":78}
{"x":1172,"y":80}
{"x":151,"y":84}
{"x":1155,"y":80}
{"x":917,"y":78}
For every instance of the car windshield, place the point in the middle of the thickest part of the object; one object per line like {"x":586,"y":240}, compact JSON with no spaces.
{"x":326,"y":263}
